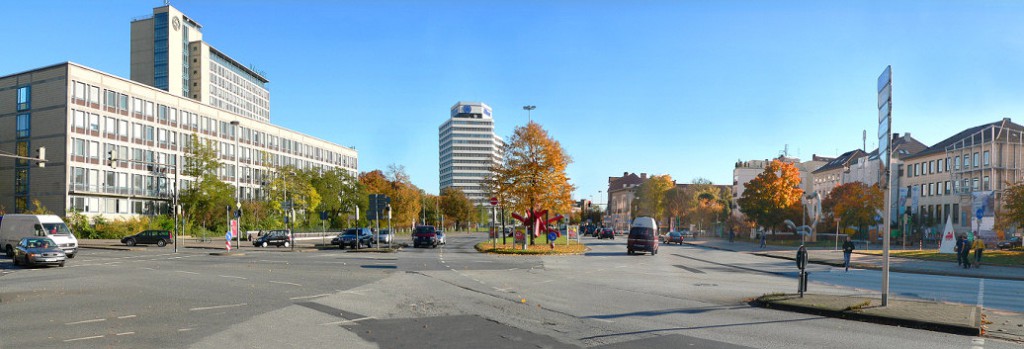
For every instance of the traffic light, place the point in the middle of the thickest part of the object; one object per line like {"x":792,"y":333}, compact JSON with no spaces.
{"x":42,"y":156}
{"x":111,"y":158}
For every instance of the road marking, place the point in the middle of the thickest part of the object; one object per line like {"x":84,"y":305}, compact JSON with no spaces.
{"x":186,"y":272}
{"x":232,"y":277}
{"x":126,"y":317}
{"x":81,"y":339}
{"x":346,"y":321}
{"x":184,"y":329}
{"x":124,"y":333}
{"x":147,"y":268}
{"x":313,"y":296}
{"x":85,"y":321}
{"x":218,"y":307}
{"x":603,"y":320}
{"x":284,"y":283}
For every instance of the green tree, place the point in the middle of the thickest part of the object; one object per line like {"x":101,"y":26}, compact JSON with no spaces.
{"x":650,"y":196}
{"x":531,"y":177}
{"x":340,"y":193}
{"x":406,"y":200}
{"x":456,"y":207}
{"x":205,"y":201}
{"x":773,"y":196}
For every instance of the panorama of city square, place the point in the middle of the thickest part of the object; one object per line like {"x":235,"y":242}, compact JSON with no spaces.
{"x":652,"y":174}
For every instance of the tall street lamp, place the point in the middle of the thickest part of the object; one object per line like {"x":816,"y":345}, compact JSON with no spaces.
{"x":238,"y":188}
{"x":529,"y":109}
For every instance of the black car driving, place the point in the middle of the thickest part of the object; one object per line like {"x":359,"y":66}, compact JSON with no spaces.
{"x":354,"y":237}
{"x":274,"y":237}
{"x":159,"y":237}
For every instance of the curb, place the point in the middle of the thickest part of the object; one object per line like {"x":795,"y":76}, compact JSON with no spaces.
{"x":113,"y":248}
{"x":884,"y":320}
{"x":898,"y":269}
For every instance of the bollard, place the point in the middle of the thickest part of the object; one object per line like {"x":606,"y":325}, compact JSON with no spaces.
{"x":801,"y":262}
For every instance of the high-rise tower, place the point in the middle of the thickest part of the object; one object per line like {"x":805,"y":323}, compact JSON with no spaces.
{"x":467,"y":148}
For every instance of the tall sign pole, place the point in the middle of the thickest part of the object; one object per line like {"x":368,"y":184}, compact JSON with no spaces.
{"x":884,"y":156}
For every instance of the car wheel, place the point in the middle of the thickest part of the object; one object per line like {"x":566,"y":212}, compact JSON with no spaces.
{"x":130,"y":242}
{"x":72,"y":255}
{"x":287,"y":244}
{"x":629,"y":252}
{"x":161,"y":243}
{"x":264,"y":244}
{"x":654,"y":252}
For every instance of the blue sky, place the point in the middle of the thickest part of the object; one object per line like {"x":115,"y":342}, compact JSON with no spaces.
{"x":683,"y":88}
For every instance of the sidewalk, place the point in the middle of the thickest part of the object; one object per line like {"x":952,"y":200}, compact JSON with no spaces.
{"x":865,"y":261}
{"x":954,"y":318}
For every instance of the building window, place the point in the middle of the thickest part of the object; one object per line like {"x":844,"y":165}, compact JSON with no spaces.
{"x":984,"y":183}
{"x":24,"y":126}
{"x":931,"y":166}
{"x":985,"y":158}
{"x":956,"y":163}
{"x":976,"y":162}
{"x":948,"y":188}
{"x":931,"y":189}
{"x":24,"y":98}
{"x":974,"y":184}
{"x":21,"y":181}
{"x":940,"y":168}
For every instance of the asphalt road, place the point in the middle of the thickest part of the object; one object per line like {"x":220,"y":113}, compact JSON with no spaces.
{"x":450,"y":297}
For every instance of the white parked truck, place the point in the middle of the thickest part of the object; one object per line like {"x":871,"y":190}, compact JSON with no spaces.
{"x":13,"y":227}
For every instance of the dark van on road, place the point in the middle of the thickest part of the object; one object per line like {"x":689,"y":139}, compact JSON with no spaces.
{"x":424,"y":235}
{"x":643,"y":236}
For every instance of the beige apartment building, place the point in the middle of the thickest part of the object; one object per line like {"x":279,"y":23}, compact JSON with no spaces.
{"x":82,"y":116}
{"x":965,"y":172}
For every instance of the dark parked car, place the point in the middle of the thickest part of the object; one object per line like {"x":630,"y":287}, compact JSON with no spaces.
{"x":606,"y":233}
{"x":354,"y":237}
{"x":274,"y":237}
{"x":1013,"y":242}
{"x":159,"y":237}
{"x":424,"y":235}
{"x":674,"y":237}
{"x":643,"y":236}
{"x":38,"y":251}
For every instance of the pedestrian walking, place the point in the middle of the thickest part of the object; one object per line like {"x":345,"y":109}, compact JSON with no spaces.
{"x":959,"y":246}
{"x":847,"y":251}
{"x":978,"y":246}
{"x":965,"y":251}
{"x":732,"y":235}
{"x":764,"y":240}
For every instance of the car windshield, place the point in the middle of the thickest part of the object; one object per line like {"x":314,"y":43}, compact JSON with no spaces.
{"x":675,"y":234}
{"x":56,"y":229}
{"x":424,"y":230}
{"x":40,"y":243}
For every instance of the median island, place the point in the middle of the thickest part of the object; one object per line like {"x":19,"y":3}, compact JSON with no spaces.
{"x":540,"y":247}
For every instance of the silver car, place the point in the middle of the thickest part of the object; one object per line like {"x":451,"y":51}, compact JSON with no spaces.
{"x":384,"y":237}
{"x":38,"y":251}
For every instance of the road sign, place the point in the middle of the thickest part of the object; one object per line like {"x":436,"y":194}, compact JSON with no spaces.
{"x":494,"y":201}
{"x":979,"y":213}
{"x":884,"y":118}
{"x":323,"y":215}
{"x":378,"y":205}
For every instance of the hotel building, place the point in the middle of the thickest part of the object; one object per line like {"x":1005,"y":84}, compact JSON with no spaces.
{"x":467,"y":148}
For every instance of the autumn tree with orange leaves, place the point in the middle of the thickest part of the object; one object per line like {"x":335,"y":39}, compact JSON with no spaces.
{"x":531,"y":176}
{"x":773,"y":196}
{"x":855,"y":204}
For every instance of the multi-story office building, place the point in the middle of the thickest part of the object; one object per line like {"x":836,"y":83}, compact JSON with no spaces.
{"x":168,"y":52}
{"x":81,"y":114}
{"x":963,"y":173}
{"x":467,"y":150}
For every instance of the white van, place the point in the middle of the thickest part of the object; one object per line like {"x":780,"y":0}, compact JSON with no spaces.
{"x":13,"y":227}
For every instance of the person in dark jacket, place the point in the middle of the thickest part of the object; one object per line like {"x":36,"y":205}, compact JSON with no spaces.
{"x":959,"y":246}
{"x":965,"y":250}
{"x":847,"y":251}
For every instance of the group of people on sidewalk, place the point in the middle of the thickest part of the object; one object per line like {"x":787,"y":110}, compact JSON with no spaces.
{"x":963,"y":251}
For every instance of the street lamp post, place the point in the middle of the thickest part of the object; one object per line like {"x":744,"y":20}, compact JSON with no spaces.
{"x":238,"y":188}
{"x":529,"y":109}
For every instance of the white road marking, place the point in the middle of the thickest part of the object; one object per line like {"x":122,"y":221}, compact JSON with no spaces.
{"x":603,"y":320}
{"x":232,"y":277}
{"x":147,"y":268}
{"x":80,"y":339}
{"x":979,"y":343}
{"x":313,"y":296}
{"x":126,"y":317}
{"x":219,"y":307}
{"x":85,"y":321}
{"x":124,"y":333}
{"x":184,"y":329}
{"x":346,"y":321}
{"x":186,"y":272}
{"x":284,"y":283}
